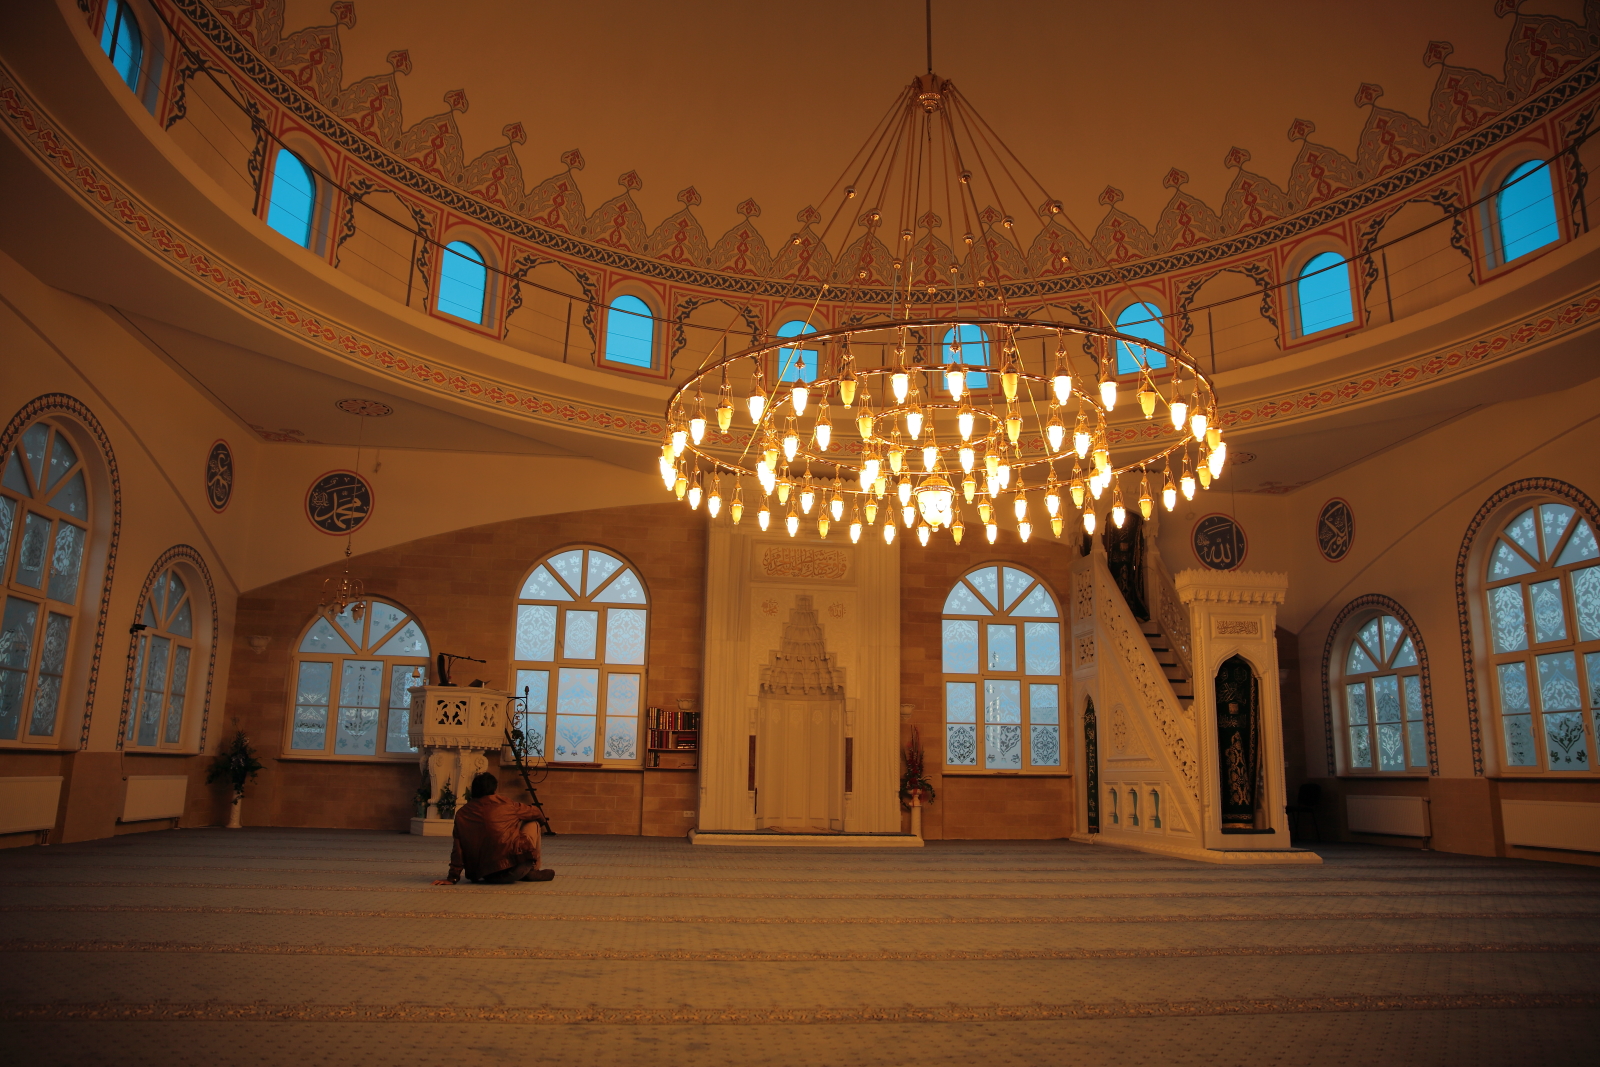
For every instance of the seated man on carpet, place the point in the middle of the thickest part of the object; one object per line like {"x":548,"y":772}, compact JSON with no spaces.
{"x":496,"y":840}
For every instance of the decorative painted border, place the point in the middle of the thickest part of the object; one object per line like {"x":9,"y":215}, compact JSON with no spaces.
{"x":65,"y":404}
{"x":252,"y":66}
{"x":1392,"y":607}
{"x":1554,"y":487}
{"x":163,"y":561}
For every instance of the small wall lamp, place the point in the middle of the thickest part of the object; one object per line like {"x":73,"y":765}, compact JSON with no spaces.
{"x":259,"y":643}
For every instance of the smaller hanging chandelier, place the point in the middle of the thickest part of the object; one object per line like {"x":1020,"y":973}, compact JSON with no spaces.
{"x":343,"y":593}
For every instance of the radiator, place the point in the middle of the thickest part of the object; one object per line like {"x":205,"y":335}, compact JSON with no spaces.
{"x":1552,"y":824}
{"x":154,"y":796}
{"x":1395,"y":816}
{"x":29,"y":803}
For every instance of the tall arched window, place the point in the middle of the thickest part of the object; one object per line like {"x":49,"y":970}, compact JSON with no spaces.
{"x":1322,"y":293}
{"x":796,"y":364}
{"x":293,"y":199}
{"x":1002,"y":672}
{"x":44,"y":526}
{"x":1525,"y":211}
{"x":581,"y":629}
{"x":463,"y":282}
{"x":1543,"y":600}
{"x":630,"y":332}
{"x":1385,"y":720}
{"x":354,"y":673}
{"x":163,"y":664}
{"x":120,"y":39}
{"x":973,"y":351}
{"x":1141,"y":320}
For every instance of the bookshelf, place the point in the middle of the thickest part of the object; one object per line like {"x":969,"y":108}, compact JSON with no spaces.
{"x":672,"y":737}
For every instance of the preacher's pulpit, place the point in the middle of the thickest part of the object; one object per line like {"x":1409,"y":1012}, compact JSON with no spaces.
{"x":453,"y":728}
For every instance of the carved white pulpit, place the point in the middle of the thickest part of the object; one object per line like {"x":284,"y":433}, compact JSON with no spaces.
{"x":453,"y":728}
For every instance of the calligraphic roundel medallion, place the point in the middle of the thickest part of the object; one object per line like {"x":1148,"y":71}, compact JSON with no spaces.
{"x":219,"y":476}
{"x":1219,"y":542}
{"x":339,"y":502}
{"x":1336,"y":529}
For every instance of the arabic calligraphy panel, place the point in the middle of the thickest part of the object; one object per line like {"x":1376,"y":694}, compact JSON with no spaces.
{"x":1219,"y":542}
{"x":339,"y":502}
{"x":1336,"y":529}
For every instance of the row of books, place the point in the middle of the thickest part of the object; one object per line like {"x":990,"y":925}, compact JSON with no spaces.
{"x":663,"y":719}
{"x":673,"y":740}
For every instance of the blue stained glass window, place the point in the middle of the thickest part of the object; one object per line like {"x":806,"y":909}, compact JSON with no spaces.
{"x":1323,"y":292}
{"x":120,"y":39}
{"x":1525,"y":210}
{"x":1140,"y":320}
{"x":796,"y":364}
{"x":630,"y":332}
{"x":463,"y":282}
{"x":294,"y":196}
{"x":974,"y":352}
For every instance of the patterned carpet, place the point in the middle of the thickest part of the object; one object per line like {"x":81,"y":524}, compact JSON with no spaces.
{"x":307,"y":946}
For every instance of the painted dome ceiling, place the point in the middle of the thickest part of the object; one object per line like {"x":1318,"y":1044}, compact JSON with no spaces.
{"x":1158,"y":127}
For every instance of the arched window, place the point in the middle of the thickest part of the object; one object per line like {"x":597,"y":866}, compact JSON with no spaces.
{"x":120,"y":39}
{"x":1543,"y":600}
{"x":163,"y":664}
{"x":973,"y":351}
{"x":354,"y":673}
{"x":1322,"y":292}
{"x":44,"y":526}
{"x":293,"y":199}
{"x":1141,"y":320}
{"x":1385,"y":720}
{"x":463,"y":282}
{"x":1002,"y":641}
{"x":630,"y":332}
{"x":581,"y":631}
{"x":796,"y":364}
{"x":1525,"y":211}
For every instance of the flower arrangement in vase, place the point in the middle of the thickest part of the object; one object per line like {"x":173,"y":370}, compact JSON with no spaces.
{"x":236,"y":765}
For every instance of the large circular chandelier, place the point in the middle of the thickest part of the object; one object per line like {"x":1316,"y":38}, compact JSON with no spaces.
{"x":949,"y":404}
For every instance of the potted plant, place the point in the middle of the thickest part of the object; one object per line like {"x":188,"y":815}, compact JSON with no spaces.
{"x":914,"y":785}
{"x":236,"y":765}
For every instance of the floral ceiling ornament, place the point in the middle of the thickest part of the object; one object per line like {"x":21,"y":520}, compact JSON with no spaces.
{"x":947,"y":410}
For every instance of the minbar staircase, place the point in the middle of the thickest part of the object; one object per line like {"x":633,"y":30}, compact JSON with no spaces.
{"x":1176,"y":671}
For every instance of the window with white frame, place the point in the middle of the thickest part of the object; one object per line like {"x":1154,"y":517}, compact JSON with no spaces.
{"x":163,"y":664}
{"x":354,"y":673}
{"x":1542,"y":593}
{"x":580,"y":650}
{"x":44,"y":531}
{"x":1144,"y":320}
{"x":1385,"y":721}
{"x":1002,"y":672}
{"x":797,"y":364}
{"x":968,"y":344}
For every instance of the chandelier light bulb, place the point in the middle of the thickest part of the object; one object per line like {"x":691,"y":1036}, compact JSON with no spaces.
{"x":1205,"y":475}
{"x":836,"y":507}
{"x":1052,"y":501}
{"x":697,"y":428}
{"x":1061,"y":385}
{"x":791,"y":523}
{"x":791,"y":444}
{"x":869,"y":469}
{"x":1055,"y":526}
{"x":1146,"y":504}
{"x":1019,"y":505}
{"x":823,"y":525}
{"x":855,"y":532}
{"x":724,"y":413}
{"x":880,"y":484}
{"x":964,"y":419}
{"x":1009,"y":379}
{"x":1102,"y":456}
{"x":991,"y":463}
{"x":900,"y":383}
{"x":1147,"y":400}
{"x":864,"y":421}
{"x":764,"y":518}
{"x":736,"y":509}
{"x":1088,"y":522}
{"x":824,"y":434}
{"x":1187,"y":483}
{"x":914,"y":423}
{"x":1217,"y":459}
{"x":767,"y":478}
{"x":669,"y":473}
{"x":1003,"y":475}
{"x":757,"y":403}
{"x":1024,"y":530}
{"x":808,"y":499}
{"x":1097,"y":485}
{"x":1081,"y":438}
{"x":872,"y":511}
{"x":680,"y":439}
{"x":1055,"y":432}
{"x":897,"y":457}
{"x":955,"y":380}
{"x":985,"y":509}
{"x":923,"y":533}
{"x":888,"y":533}
{"x":1119,"y":515}
{"x":1180,"y":414}
{"x":902,"y":489}
{"x":1078,"y":492}
{"x":695,"y":492}
{"x":1014,"y":424}
{"x":783,"y":491}
{"x":714,"y":503}
{"x":957,"y":530}
{"x":1169,"y":493}
{"x":968,"y":458}
{"x":798,"y":396}
{"x":969,"y":487}
{"x":991,"y":531}
{"x":1213,"y":436}
{"x":930,"y":456}
{"x":1197,"y":425}
{"x":680,"y":485}
{"x":1108,"y":393}
{"x":769,"y":451}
